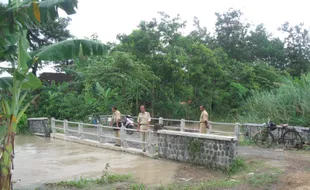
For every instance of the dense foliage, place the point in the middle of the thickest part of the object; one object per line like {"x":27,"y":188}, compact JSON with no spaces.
{"x":290,"y":103}
{"x":172,"y":73}
{"x":22,"y":125}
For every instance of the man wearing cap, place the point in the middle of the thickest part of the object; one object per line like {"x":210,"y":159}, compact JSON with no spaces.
{"x":116,"y":122}
{"x":144,"y":120}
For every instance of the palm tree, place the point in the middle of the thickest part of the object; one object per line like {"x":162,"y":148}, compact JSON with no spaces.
{"x":15,"y":18}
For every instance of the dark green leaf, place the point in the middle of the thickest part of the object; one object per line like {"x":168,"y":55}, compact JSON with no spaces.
{"x":48,"y":8}
{"x":6,"y":82}
{"x":70,"y":49}
{"x":31,"y":82}
{"x":19,"y":76}
{"x":23,"y":56}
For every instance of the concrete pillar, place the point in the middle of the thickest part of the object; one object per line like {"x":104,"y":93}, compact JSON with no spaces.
{"x":237,"y":131}
{"x":123,"y":137}
{"x":81,"y":130}
{"x":100,"y":132}
{"x":53,"y":125}
{"x":182,"y":125}
{"x":66,"y":127}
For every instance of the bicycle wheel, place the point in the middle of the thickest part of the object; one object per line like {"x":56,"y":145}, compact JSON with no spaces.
{"x":292,"y":139}
{"x":263,"y":139}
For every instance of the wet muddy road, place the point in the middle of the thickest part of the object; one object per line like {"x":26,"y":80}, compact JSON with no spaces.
{"x":40,"y":160}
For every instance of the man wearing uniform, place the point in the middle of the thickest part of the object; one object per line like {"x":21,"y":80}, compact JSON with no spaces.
{"x":144,"y":120}
{"x":204,"y":123}
{"x":116,"y":122}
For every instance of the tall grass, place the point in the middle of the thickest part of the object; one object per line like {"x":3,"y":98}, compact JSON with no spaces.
{"x":290,"y":103}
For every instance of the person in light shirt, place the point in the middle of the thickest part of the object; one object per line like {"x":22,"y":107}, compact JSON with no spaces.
{"x":116,"y":122}
{"x":144,"y":120}
{"x":204,"y":123}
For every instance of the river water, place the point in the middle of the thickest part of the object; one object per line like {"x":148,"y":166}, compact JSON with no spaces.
{"x":41,"y":160}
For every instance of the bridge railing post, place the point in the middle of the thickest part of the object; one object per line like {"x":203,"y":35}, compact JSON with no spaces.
{"x":65,"y":127}
{"x":237,"y":130}
{"x":182,"y":125}
{"x":160,"y":121}
{"x":99,"y":132}
{"x":81,"y":130}
{"x":53,"y":125}
{"x":150,"y":144}
{"x":123,"y":136}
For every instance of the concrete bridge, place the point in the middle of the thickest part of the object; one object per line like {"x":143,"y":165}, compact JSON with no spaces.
{"x":40,"y":160}
{"x":75,"y":149}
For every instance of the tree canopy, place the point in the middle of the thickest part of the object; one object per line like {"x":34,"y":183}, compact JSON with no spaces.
{"x":173,"y":73}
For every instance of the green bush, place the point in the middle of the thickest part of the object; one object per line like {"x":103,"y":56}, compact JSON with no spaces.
{"x":22,"y":126}
{"x":237,"y":166}
{"x":290,"y":103}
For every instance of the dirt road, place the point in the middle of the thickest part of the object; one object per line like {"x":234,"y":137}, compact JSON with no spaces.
{"x":295,"y":164}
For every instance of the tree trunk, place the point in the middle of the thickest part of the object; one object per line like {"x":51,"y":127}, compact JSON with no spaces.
{"x":137,"y":101}
{"x":153,"y":99}
{"x":6,"y":164}
{"x":35,"y":68}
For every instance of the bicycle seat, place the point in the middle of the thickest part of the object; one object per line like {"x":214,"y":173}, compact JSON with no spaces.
{"x":284,"y":125}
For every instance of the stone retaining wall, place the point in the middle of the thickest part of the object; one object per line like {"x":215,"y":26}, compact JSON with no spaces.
{"x":208,"y":150}
{"x":39,"y":126}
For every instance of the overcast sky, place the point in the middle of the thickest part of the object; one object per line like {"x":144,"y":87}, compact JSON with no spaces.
{"x":109,"y":18}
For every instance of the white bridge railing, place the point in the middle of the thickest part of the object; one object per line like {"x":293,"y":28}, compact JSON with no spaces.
{"x":102,"y":133}
{"x":231,"y":129}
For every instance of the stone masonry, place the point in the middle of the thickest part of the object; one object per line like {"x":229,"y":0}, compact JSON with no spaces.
{"x":39,"y":126}
{"x":212,"y":151}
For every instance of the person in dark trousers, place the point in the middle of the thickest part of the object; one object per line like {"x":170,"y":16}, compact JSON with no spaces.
{"x":116,"y":122}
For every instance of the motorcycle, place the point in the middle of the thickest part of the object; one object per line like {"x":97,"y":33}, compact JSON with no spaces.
{"x":128,"y":123}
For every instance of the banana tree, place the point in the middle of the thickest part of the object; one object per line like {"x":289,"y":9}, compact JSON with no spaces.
{"x":15,"y":19}
{"x":106,"y":94}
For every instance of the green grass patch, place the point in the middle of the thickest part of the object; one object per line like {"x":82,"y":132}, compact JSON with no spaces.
{"x":105,"y":179}
{"x":81,"y":183}
{"x":137,"y":187}
{"x":179,"y":186}
{"x":238,"y":165}
{"x":113,"y":178}
{"x":218,"y":184}
{"x":246,"y":142}
{"x":243,"y":166}
{"x":262,"y":179}
{"x":201,"y":186}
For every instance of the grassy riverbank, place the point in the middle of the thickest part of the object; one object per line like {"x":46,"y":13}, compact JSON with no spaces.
{"x":245,"y":173}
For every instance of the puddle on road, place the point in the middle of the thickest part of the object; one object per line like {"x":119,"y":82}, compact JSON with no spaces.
{"x":40,"y":160}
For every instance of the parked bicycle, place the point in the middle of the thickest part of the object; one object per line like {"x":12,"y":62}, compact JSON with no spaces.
{"x":289,"y":137}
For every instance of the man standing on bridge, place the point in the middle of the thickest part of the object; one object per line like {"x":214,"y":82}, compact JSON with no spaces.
{"x":204,"y":123}
{"x":144,"y":120}
{"x":116,"y":122}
